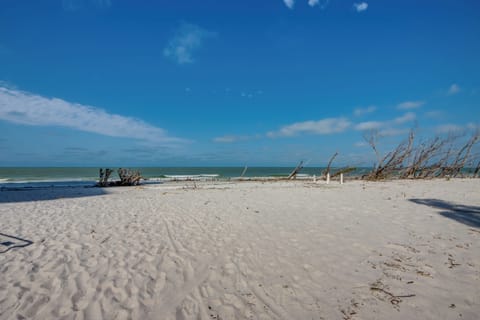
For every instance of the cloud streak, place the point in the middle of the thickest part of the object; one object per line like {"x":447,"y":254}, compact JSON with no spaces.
{"x":360,"y":7}
{"x":408,"y":105}
{"x":232,"y":138}
{"x":454,"y":89}
{"x":29,"y":109}
{"x":289,"y":3}
{"x":387,"y":128}
{"x":320,"y":127}
{"x":363,"y":111}
{"x":188,"y":39}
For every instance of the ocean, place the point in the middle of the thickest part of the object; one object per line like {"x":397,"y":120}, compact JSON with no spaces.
{"x":87,"y":176}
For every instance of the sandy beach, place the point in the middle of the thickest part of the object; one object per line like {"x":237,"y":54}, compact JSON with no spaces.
{"x":243,"y":250}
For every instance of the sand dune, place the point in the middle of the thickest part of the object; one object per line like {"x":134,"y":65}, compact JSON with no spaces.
{"x":251,"y":250}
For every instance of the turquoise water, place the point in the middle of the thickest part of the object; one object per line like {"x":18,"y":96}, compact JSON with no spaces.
{"x":41,"y":176}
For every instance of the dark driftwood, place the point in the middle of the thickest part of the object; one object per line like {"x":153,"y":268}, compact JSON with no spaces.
{"x":477,"y":170}
{"x":104,"y":175}
{"x":127,"y":178}
{"x":295,"y":171}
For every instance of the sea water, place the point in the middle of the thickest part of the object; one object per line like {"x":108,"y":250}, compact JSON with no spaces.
{"x":87,"y":176}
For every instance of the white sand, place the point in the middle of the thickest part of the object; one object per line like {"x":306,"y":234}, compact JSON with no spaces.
{"x":243,"y":251}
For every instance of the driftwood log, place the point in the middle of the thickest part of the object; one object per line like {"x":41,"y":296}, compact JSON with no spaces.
{"x":327,"y":170}
{"x":104,"y":175}
{"x":295,"y":171}
{"x":127,"y":177}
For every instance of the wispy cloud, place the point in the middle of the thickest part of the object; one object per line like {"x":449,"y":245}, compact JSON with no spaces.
{"x":449,"y":128}
{"x":233,"y":138}
{"x":322,"y":127}
{"x":389,"y":127}
{"x":289,"y":3}
{"x":360,"y":144}
{"x":369,"y":125}
{"x":407,"y":105}
{"x":187,"y":39}
{"x":322,"y":4}
{"x":454,"y":89}
{"x":360,"y":7}
{"x":30,"y":109}
{"x":407,"y":117}
{"x":362,"y":111}
{"x":455,"y":128}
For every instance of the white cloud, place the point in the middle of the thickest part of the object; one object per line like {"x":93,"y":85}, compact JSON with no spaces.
{"x":387,"y":128}
{"x":407,"y":117}
{"x":362,"y":6}
{"x":449,"y":128}
{"x":360,"y":144}
{"x":30,"y":109}
{"x":454,"y":89}
{"x":407,"y":105}
{"x":187,"y":39}
{"x":369,"y":125}
{"x":455,"y":128}
{"x":387,"y":132}
{"x":232,"y":138}
{"x":225,"y":139}
{"x":312,"y":3}
{"x":289,"y":3}
{"x":362,"y":111}
{"x":324,"y":126}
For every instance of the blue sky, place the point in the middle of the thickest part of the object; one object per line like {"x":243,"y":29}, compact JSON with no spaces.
{"x":195,"y":83}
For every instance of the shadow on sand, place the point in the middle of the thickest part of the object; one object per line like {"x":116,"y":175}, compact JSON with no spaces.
{"x":469,"y":215}
{"x":48,"y":193}
{"x":8,"y":242}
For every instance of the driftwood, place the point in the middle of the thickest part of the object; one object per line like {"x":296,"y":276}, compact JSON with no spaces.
{"x":393,"y":161}
{"x":420,"y":166}
{"x":477,"y":170}
{"x":463,"y":155}
{"x":127,"y":178}
{"x":295,"y":171}
{"x":343,"y":171}
{"x":244,"y":171}
{"x":104,"y":175}
{"x":327,"y":170}
{"x":436,"y":158}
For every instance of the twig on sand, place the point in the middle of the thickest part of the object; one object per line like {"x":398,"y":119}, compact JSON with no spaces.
{"x":105,"y":240}
{"x":394,"y":299}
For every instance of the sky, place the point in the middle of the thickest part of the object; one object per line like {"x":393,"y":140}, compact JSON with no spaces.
{"x":231,"y":83}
